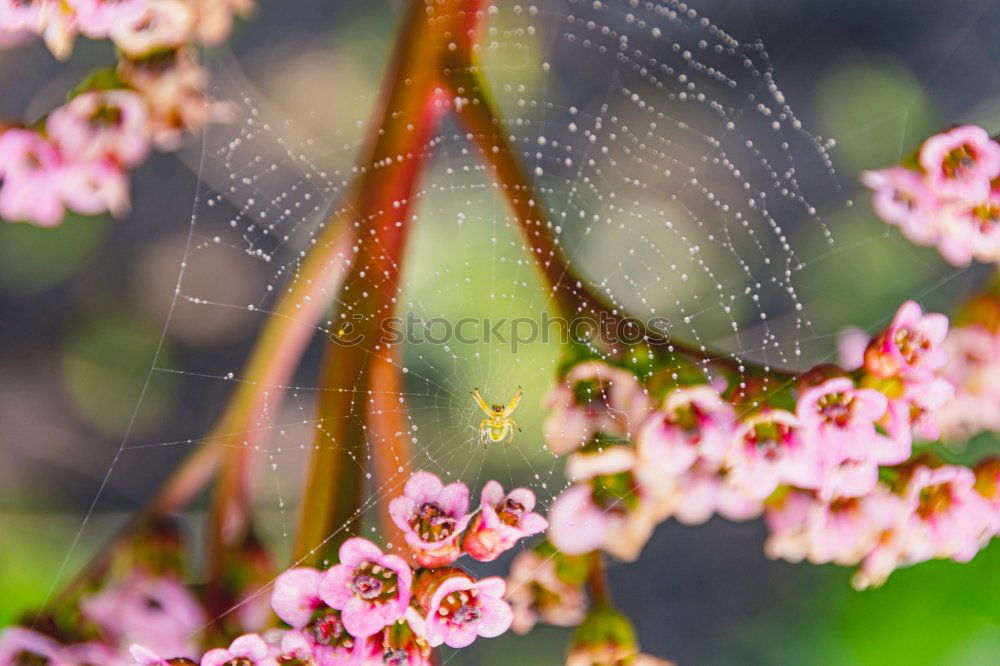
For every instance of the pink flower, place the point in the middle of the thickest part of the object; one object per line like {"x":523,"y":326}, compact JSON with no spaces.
{"x":851,"y":345}
{"x":95,"y":187}
{"x":158,"y":613}
{"x":31,"y":169}
{"x":461,"y":609}
{"x":142,"y":656}
{"x":370,"y":589}
{"x":606,"y":512}
{"x":594,"y":397}
{"x":910,"y":346}
{"x":102,"y":124}
{"x":330,"y":641}
{"x":902,"y":198}
{"x":432,"y":516}
{"x":973,"y":365}
{"x":247,"y":650}
{"x":173,"y":86}
{"x":705,"y":490}
{"x":925,"y":399}
{"x":24,"y":646}
{"x":840,"y":418}
{"x":295,"y":596}
{"x":161,"y":25}
{"x":843,"y":530}
{"x":399,"y":644}
{"x":948,"y":518}
{"x":769,"y":449}
{"x":694,"y":423}
{"x":215,"y":18}
{"x":537,"y":593}
{"x":58,"y":28}
{"x":961,"y":162}
{"x":22,"y":15}
{"x":85,"y":654}
{"x":503,"y":520}
{"x":600,"y":458}
{"x":96,"y":17}
{"x":971,"y":230}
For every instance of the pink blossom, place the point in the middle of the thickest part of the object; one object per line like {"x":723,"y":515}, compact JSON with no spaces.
{"x":295,"y":596}
{"x":22,"y":15}
{"x":911,"y":345}
{"x":961,"y":162}
{"x":12,"y":38}
{"x":158,"y":613}
{"x":95,"y":187}
{"x":31,"y":169}
{"x":399,"y":644}
{"x":503,"y":520}
{"x":594,"y":397}
{"x":331,"y":644}
{"x":705,"y":490}
{"x":59,"y":28}
{"x":843,"y":530}
{"x":142,"y":656}
{"x":948,"y":518}
{"x":851,"y":345}
{"x":840,"y":418}
{"x":215,"y":18}
{"x":20,"y":645}
{"x":102,"y":124}
{"x":973,"y":365}
{"x":693,"y":423}
{"x":370,"y":589}
{"x":85,"y":654}
{"x":769,"y":449}
{"x":605,"y":512}
{"x":902,"y":198}
{"x":247,"y":650}
{"x":432,"y":516}
{"x":537,"y":593}
{"x":971,"y":230}
{"x":600,"y":458}
{"x":96,"y":17}
{"x":462,"y":609}
{"x":925,"y":400}
{"x":173,"y":86}
{"x":161,"y":25}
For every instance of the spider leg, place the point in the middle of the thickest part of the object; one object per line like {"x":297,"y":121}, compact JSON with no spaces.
{"x":483,"y":429}
{"x":512,"y":405}
{"x":482,"y":403}
{"x":513,"y":423}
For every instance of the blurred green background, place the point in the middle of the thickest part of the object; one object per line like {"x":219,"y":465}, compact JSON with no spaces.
{"x":83,"y":308}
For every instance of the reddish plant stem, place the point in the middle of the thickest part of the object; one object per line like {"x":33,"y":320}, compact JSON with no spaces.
{"x":568,"y":290}
{"x":382,"y":198}
{"x":597,"y":580}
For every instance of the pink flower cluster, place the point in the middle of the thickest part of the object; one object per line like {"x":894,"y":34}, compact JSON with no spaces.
{"x":635,"y":461}
{"x":157,"y":611}
{"x":949,"y":198}
{"x":973,"y":367}
{"x":438,"y":527}
{"x":78,"y":157}
{"x":139,"y":28}
{"x":370,"y":608}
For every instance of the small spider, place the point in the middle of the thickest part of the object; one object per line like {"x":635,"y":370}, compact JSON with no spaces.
{"x":497,"y":426}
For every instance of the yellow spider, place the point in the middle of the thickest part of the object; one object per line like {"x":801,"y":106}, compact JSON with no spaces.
{"x":497,"y":426}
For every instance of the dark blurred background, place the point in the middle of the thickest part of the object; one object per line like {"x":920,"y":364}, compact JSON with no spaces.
{"x":85,"y":376}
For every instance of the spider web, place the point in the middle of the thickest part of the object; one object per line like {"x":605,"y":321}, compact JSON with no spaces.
{"x":680,"y":178}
